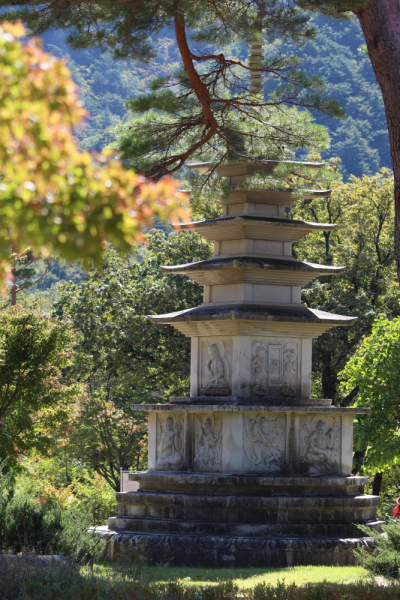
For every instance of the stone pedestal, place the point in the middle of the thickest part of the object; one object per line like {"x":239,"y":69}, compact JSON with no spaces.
{"x":249,"y":470}
{"x":258,"y":439}
{"x":219,"y":520}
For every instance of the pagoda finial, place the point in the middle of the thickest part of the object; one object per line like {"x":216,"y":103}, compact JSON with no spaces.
{"x":255,"y":60}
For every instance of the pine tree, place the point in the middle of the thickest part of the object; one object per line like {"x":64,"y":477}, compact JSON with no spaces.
{"x":207,"y":106}
{"x":25,"y":273}
{"x":209,"y":83}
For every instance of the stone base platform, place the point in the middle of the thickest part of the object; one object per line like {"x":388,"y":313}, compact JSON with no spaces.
{"x":243,"y":520}
{"x":238,"y":552}
{"x":248,"y":401}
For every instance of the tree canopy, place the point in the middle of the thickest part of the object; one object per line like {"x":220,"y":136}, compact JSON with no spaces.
{"x":117,"y":347}
{"x":335,"y":54}
{"x":205,"y":100}
{"x":374,"y":369}
{"x":363,"y":243}
{"x":206,"y":105}
{"x":120,"y":358}
{"x":54,"y":198}
{"x":34,"y":349}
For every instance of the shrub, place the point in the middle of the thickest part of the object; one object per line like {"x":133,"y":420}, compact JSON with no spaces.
{"x":386,"y":559}
{"x":33,"y":578}
{"x":27,"y":526}
{"x":224,"y":590}
{"x":95,"y":497}
{"x":362,"y":590}
{"x":65,"y":481}
{"x":76,"y":542}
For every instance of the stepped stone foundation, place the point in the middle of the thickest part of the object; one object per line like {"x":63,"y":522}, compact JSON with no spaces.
{"x":249,"y":470}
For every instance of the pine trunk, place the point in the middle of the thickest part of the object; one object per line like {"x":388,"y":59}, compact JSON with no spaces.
{"x":13,"y":294}
{"x":380,"y":22}
{"x":14,"y":287}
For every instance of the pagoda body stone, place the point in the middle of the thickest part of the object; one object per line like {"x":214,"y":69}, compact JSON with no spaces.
{"x":249,"y":470}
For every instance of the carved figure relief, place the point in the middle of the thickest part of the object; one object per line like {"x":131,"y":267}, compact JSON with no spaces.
{"x":289,"y":369}
{"x":216,"y":374}
{"x":275,"y":364}
{"x":169,"y":442}
{"x":264,"y":443}
{"x":320,"y":446}
{"x":259,"y":369}
{"x":274,"y":368}
{"x":208,"y":443}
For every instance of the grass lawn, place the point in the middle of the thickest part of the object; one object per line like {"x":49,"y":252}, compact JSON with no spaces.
{"x":245,"y":578}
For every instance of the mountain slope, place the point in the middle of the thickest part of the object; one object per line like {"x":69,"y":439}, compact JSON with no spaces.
{"x":361,"y":141}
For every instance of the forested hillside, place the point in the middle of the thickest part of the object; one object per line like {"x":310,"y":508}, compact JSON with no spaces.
{"x":336,"y":55}
{"x":104,"y":84}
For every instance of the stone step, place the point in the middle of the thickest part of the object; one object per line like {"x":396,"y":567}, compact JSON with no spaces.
{"x":248,"y":482}
{"x":243,"y":490}
{"x":237,"y":551}
{"x":299,"y":529}
{"x":232,"y":509}
{"x":250,"y":516}
{"x":246,"y":485}
{"x":249,"y":502}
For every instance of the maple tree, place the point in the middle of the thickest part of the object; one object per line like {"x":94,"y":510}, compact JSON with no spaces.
{"x":207,"y":97}
{"x":33,"y":351}
{"x":54,"y":198}
{"x":104,"y":437}
{"x":120,"y":358}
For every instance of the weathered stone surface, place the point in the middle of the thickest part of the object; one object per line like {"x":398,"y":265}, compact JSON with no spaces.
{"x":259,"y":482}
{"x":248,"y":400}
{"x":249,"y":470}
{"x":300,"y":440}
{"x":226,"y":407}
{"x":218,"y":551}
{"x":201,"y":518}
{"x":234,"y":269}
{"x":277,"y":530}
{"x":245,"y":168}
{"x":259,"y":312}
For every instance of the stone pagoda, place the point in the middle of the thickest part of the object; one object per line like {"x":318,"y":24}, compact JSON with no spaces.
{"x":249,"y":470}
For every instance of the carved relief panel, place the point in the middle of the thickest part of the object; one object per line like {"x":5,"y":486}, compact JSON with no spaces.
{"x":208,"y":443}
{"x":320,"y":437}
{"x":274,"y":368}
{"x":289,"y":376}
{"x":259,"y":367}
{"x":216,"y":360}
{"x":264,"y":443}
{"x":170,"y":442}
{"x":275,"y":365}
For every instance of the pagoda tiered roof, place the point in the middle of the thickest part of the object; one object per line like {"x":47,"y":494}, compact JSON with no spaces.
{"x":251,"y":311}
{"x":252,"y":318}
{"x":253,"y":284}
{"x":280,"y":197}
{"x":255,"y":227}
{"x":233,"y":169}
{"x":252,"y":269}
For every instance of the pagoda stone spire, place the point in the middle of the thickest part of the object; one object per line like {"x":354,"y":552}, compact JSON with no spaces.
{"x":249,"y":470}
{"x":252,"y":287}
{"x":255,"y":58}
